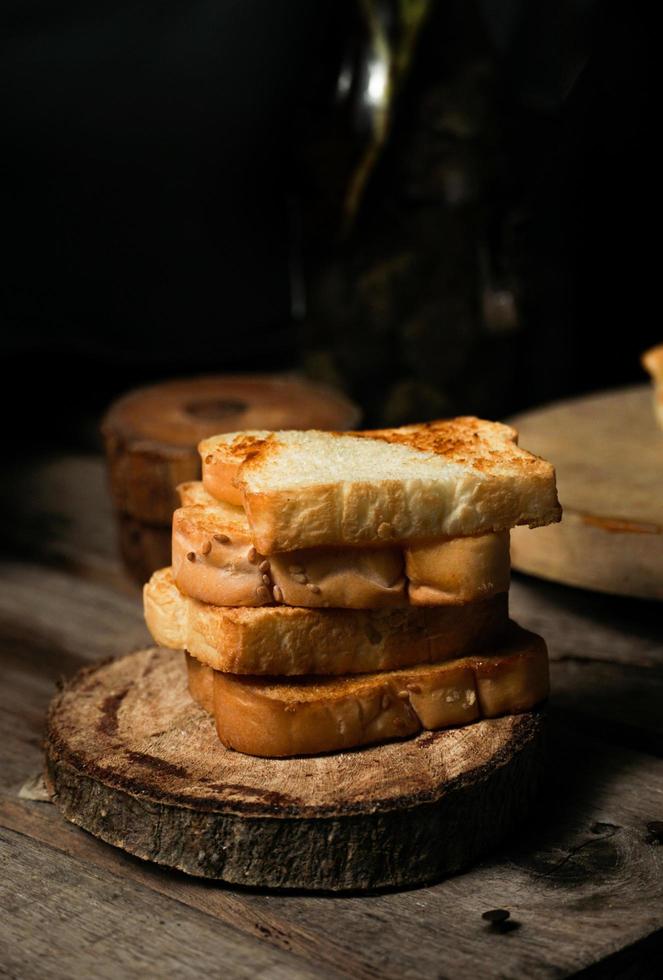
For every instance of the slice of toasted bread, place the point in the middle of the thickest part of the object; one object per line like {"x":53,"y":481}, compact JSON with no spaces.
{"x":457,"y":570}
{"x":289,"y":640}
{"x":274,"y":717}
{"x":450,"y":478}
{"x":215,"y":560}
{"x":652,"y":361}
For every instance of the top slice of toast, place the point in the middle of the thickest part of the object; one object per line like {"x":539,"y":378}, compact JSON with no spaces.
{"x":455,"y":477}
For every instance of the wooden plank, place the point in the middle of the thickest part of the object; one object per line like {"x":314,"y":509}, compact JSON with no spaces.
{"x":372,"y":936}
{"x":583,"y":883}
{"x":88,"y":619}
{"x":62,"y":516}
{"x":613,"y":701}
{"x":581,"y":625}
{"x":42,"y":822}
{"x":51,"y":624}
{"x":62,"y":917}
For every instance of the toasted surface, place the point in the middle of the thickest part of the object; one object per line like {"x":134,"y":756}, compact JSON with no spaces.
{"x":287,"y":640}
{"x":450,"y":478}
{"x":652,"y":361}
{"x":457,"y":570}
{"x":304,"y":716}
{"x":214,"y":560}
{"x":194,"y":494}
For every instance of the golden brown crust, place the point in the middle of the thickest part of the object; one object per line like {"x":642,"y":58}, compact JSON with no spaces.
{"x":370,"y":514}
{"x":287,"y":640}
{"x":453,"y":478}
{"x":275,"y":718}
{"x":214,"y":560}
{"x":463,"y":439}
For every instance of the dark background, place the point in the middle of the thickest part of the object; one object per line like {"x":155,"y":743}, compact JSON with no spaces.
{"x":159,"y":161}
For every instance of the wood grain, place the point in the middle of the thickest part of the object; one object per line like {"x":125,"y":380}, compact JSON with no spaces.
{"x":89,"y":922}
{"x":570,"y":883}
{"x":584,"y":882}
{"x":585,"y":626}
{"x":608,"y":454}
{"x":135,"y":761}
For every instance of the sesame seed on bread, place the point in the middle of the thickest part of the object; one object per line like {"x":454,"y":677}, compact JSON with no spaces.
{"x":214,"y":560}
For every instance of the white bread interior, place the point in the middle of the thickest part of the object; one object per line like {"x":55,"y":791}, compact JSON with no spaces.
{"x":451,"y":478}
{"x":214,"y":560}
{"x":275,"y":717}
{"x":287,"y":640}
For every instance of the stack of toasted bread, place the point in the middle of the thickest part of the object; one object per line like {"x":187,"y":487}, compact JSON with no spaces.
{"x":337,"y":589}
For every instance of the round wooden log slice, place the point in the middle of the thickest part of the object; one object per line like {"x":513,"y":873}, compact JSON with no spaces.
{"x":132,"y":759}
{"x":151,"y":434}
{"x":608,"y":453}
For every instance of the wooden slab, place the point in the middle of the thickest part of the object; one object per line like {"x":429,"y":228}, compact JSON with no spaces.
{"x":583,"y":882}
{"x":136,"y":762}
{"x":608,"y":453}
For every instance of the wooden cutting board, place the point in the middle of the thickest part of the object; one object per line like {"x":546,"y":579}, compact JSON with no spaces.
{"x":132,"y":759}
{"x":608,"y":453}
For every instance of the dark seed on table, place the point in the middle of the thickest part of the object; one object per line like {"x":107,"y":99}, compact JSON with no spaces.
{"x":495,"y":915}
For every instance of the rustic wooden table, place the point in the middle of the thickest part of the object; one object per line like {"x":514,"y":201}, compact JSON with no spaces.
{"x":583,"y":879}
